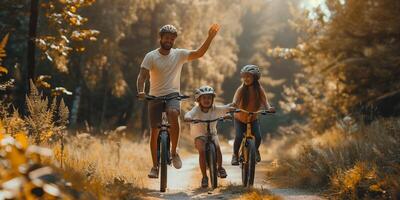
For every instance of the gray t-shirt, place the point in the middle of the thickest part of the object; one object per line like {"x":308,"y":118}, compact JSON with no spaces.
{"x":165,"y":70}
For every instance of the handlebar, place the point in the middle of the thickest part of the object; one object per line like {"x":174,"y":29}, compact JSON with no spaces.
{"x":263,"y":112}
{"x":166,"y":98}
{"x":196,"y":121}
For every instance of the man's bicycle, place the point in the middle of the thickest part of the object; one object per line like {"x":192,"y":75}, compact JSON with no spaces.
{"x":163,"y":140}
{"x":210,"y":150}
{"x":247,"y":150}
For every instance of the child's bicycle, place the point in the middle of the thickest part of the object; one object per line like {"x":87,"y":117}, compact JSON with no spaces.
{"x":247,"y":150}
{"x":163,"y":141}
{"x":210,"y":150}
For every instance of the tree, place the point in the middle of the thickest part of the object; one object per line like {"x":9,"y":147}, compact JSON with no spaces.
{"x":349,"y":61}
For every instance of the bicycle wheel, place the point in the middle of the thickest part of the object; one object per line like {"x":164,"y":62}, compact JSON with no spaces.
{"x":244,"y":165}
{"x":251,"y":162}
{"x":164,"y":160}
{"x":212,"y":164}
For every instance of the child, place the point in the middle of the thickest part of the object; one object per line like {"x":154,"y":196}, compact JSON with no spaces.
{"x":206,"y":110}
{"x":249,"y":96}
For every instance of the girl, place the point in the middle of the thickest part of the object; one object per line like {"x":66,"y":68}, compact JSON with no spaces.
{"x":249,"y":96}
{"x":205,"y":110}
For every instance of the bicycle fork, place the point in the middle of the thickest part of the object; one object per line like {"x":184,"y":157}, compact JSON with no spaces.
{"x":244,"y":156}
{"x":163,"y":133}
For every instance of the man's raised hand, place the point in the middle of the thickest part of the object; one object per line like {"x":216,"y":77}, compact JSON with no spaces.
{"x":213,"y":30}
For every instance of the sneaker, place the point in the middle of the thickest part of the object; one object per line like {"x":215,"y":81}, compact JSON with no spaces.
{"x":204,"y":182}
{"x":176,"y":161}
{"x":258,"y":157}
{"x":153,"y":172}
{"x":235,"y":160}
{"x":222,"y":173}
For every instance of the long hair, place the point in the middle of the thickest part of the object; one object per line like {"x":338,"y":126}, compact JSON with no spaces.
{"x":244,"y":94}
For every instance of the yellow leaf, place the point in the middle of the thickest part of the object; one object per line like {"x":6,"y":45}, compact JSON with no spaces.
{"x":3,"y":70}
{"x":2,"y":130}
{"x":375,"y":188}
{"x":73,"y":9}
{"x":16,"y":157}
{"x":4,"y":42}
{"x":22,"y":139}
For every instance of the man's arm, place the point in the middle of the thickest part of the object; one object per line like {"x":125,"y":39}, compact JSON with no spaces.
{"x":203,"y":49}
{"x":141,"y":80}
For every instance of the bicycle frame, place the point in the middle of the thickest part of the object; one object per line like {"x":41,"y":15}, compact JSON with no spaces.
{"x":163,"y":139}
{"x":208,"y":122}
{"x":211,"y":155}
{"x":248,"y":134}
{"x":247,"y":149}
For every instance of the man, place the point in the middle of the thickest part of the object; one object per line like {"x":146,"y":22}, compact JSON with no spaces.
{"x":163,"y":66}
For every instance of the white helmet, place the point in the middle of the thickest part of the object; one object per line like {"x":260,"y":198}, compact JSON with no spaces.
{"x":168,"y":29}
{"x":252,"y":69}
{"x":203,"y":90}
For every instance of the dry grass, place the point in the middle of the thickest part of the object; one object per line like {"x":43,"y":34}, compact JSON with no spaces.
{"x":351,"y":165}
{"x":106,"y":167}
{"x":242,"y":193}
{"x":256,"y":195}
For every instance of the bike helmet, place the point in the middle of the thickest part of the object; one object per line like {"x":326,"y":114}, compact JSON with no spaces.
{"x":168,"y":29}
{"x":252,"y":69}
{"x":203,"y":90}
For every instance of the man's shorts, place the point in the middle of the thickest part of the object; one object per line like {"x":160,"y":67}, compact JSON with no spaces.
{"x":155,"y":108}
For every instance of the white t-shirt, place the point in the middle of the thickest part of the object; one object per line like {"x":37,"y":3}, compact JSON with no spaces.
{"x":165,"y":70}
{"x":200,"y":129}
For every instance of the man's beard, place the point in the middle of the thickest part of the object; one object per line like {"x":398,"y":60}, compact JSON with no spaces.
{"x":166,"y":46}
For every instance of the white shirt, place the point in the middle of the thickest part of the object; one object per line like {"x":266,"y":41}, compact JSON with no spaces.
{"x":165,"y":70}
{"x":200,"y":129}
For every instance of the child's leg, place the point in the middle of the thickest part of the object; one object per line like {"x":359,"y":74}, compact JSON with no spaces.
{"x":221,"y":170}
{"x":219,"y":153}
{"x":200,"y":146}
{"x":255,"y":125}
{"x":240,"y":128}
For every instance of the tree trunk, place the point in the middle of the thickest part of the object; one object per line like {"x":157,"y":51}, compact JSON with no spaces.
{"x":33,"y":20}
{"x":105,"y":100}
{"x":75,"y":107}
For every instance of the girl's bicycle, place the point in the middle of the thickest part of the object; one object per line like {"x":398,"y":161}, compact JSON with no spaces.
{"x":247,"y":150}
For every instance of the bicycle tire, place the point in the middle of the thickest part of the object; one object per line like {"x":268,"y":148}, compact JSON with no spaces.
{"x":251,"y":162}
{"x":164,"y":160}
{"x":212,"y":164}
{"x":244,"y":165}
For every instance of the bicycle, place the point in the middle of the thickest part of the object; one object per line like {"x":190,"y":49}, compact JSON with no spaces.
{"x":210,"y":150}
{"x":247,"y":150}
{"x":163,"y":140}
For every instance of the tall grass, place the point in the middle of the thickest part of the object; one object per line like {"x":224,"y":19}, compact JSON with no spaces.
{"x":356,"y":164}
{"x":113,"y":168}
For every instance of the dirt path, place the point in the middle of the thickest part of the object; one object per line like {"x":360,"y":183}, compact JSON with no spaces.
{"x":185,"y":182}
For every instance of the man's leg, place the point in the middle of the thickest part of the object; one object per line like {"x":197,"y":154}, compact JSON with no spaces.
{"x":173,"y":120}
{"x":174,"y":135}
{"x":154,"y":109}
{"x":153,"y":145}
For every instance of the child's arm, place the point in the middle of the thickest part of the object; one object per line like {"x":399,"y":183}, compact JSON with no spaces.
{"x":265,"y":101}
{"x":189,"y":116}
{"x":236,"y":97}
